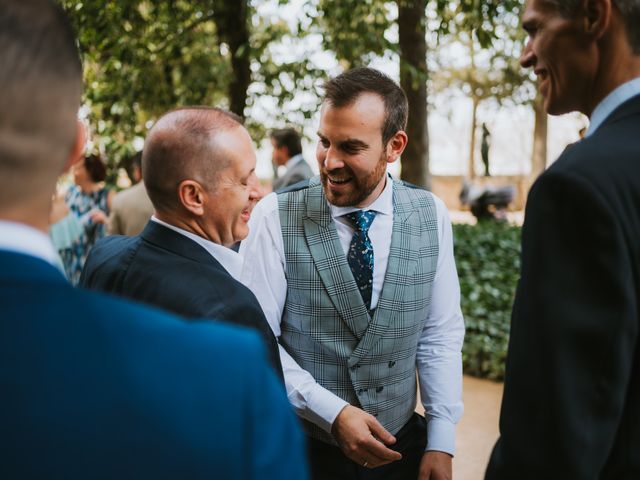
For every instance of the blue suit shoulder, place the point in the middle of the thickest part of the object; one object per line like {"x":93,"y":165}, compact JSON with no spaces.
{"x":151,"y":396}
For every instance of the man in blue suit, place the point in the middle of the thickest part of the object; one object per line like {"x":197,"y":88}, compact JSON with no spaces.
{"x":91,"y":386}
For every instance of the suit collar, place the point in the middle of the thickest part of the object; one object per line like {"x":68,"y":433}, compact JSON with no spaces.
{"x":228,"y":258}
{"x":21,"y":267}
{"x":167,"y":239}
{"x":22,"y":238}
{"x":621,"y":102}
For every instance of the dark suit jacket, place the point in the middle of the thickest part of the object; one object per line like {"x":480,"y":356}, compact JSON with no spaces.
{"x":571,"y":407}
{"x":165,"y":269}
{"x":96,"y":387}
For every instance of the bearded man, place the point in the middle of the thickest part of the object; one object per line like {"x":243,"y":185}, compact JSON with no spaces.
{"x":356,"y":275}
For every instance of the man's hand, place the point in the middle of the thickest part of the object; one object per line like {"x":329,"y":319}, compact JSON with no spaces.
{"x":98,"y":216}
{"x":363,"y":439}
{"x":435,"y":466}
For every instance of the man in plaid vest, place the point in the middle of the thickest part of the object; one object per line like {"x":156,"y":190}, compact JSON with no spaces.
{"x":355,"y":273}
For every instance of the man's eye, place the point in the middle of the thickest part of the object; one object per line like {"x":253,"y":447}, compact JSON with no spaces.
{"x":324,"y":143}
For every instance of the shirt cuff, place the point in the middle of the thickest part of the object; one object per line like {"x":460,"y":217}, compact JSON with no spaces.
{"x":441,"y":436}
{"x":323,"y":407}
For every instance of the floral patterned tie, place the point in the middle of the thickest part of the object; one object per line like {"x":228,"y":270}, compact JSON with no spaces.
{"x":360,"y":256}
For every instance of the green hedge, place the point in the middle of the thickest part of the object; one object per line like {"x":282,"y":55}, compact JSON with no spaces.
{"x":488,"y":261}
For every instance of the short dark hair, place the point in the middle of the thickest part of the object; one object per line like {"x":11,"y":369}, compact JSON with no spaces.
{"x":40,"y":89}
{"x":95,"y":167}
{"x":629,"y":10}
{"x":288,"y":137}
{"x":177,"y":147}
{"x":348,"y":86}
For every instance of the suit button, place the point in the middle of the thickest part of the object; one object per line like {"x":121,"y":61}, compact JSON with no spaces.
{"x":391,"y":363}
{"x":379,"y":389}
{"x":360,"y":392}
{"x":354,"y":368}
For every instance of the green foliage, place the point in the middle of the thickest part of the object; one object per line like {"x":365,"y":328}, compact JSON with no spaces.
{"x":142,"y":58}
{"x":488,"y":262}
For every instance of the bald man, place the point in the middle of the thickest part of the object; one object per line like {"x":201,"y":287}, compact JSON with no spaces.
{"x":198,"y":167}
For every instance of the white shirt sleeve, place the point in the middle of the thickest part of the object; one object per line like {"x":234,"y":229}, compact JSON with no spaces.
{"x":439,"y":357}
{"x":264,"y":274}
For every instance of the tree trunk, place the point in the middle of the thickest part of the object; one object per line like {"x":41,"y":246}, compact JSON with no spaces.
{"x":539,"y":153}
{"x":231,"y":21}
{"x":472,"y":143}
{"x":413,"y":79}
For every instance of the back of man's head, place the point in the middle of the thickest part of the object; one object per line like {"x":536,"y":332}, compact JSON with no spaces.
{"x":288,"y":137}
{"x":181,"y":146}
{"x":40,"y":89}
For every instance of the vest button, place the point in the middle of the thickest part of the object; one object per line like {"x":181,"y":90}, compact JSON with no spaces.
{"x":360,"y":392}
{"x":379,"y":389}
{"x":391,"y":363}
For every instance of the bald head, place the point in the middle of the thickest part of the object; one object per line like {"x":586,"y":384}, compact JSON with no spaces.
{"x":182,"y":146}
{"x":40,"y":89}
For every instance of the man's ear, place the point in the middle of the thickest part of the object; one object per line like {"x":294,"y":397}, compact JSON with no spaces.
{"x":597,"y":17}
{"x":191,"y":196}
{"x":396,"y":145}
{"x":77,"y":151}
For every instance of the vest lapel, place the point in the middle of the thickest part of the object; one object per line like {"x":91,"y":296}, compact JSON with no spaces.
{"x":331,"y":263}
{"x":401,"y":265}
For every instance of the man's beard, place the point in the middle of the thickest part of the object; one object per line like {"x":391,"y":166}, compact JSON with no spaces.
{"x":361,"y":188}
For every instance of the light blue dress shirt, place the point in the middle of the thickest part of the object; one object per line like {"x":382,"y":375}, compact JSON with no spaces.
{"x":612,"y":101}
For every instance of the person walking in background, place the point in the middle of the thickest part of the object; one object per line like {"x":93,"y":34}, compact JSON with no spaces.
{"x":90,"y":201}
{"x":571,"y":406}
{"x":199,"y":168}
{"x":92,"y":386}
{"x":131,"y":209}
{"x":356,"y":275}
{"x":287,"y":152}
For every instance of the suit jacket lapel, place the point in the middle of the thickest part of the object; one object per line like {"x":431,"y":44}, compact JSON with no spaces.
{"x":331,"y":263}
{"x":400,"y":267}
{"x":175,"y":242}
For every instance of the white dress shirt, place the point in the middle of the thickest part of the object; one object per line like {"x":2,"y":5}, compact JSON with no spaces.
{"x":21,"y":238}
{"x":231,"y":261}
{"x":439,"y":359}
{"x":617,"y":97}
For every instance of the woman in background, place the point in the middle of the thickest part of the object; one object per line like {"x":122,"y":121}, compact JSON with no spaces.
{"x":90,"y":201}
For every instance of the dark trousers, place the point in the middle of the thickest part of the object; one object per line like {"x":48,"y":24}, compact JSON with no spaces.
{"x":329,"y":463}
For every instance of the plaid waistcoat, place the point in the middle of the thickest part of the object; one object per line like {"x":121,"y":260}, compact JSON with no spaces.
{"x":368,"y":361}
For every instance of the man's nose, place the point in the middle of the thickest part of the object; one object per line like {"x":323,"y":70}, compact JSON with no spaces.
{"x":332,"y":160}
{"x":254,"y":188}
{"x":527,"y":59}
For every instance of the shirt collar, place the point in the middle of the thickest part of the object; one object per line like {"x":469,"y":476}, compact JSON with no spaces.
{"x":22,"y":238}
{"x":612,"y":101}
{"x":293,"y":160}
{"x":230,"y":260}
{"x":382,"y":205}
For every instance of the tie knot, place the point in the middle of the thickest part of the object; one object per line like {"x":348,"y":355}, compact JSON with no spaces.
{"x":361,"y":220}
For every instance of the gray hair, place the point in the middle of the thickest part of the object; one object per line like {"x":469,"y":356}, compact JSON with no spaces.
{"x":629,"y":9}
